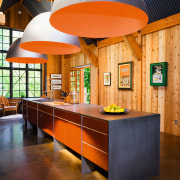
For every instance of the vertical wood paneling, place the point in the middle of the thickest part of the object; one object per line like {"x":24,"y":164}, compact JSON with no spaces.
{"x":53,"y":67}
{"x":15,"y":20}
{"x":160,"y":46}
{"x":161,"y":89}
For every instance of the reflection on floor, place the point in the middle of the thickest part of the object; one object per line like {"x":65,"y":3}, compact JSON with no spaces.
{"x":24,"y":156}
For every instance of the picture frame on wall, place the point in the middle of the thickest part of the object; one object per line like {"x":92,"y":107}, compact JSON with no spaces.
{"x":158,"y":74}
{"x":125,"y":75}
{"x":55,"y":87}
{"x":56,"y":81}
{"x":107,"y":79}
{"x":56,"y":76}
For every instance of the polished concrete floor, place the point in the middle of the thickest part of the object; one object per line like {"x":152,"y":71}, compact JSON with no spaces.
{"x":24,"y":156}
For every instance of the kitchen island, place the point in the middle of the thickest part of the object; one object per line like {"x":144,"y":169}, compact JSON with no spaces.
{"x":127,"y":146}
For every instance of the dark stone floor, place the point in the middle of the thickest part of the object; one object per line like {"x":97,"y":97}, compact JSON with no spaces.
{"x":24,"y":156}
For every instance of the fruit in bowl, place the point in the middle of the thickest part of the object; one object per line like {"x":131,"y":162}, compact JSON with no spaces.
{"x":113,"y":109}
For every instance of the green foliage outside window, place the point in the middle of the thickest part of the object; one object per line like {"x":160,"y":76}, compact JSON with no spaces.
{"x":87,"y":83}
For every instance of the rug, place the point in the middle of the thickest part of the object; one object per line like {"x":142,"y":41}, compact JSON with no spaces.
{"x":12,"y":117}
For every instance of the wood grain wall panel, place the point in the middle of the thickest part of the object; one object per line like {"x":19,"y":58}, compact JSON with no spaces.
{"x":159,"y":46}
{"x":16,"y":20}
{"x":53,"y":67}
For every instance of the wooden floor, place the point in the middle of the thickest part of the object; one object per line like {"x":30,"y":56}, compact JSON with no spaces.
{"x":24,"y":156}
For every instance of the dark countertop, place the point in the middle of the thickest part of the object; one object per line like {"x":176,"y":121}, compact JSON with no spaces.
{"x":93,"y":110}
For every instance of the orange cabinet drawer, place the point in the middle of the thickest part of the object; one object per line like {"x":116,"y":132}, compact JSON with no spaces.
{"x":45,"y":108}
{"x":68,"y":133}
{"x":45,"y":122}
{"x":96,"y":124}
{"x":98,"y":157}
{"x":96,"y":139}
{"x":32,"y":115}
{"x":74,"y":117}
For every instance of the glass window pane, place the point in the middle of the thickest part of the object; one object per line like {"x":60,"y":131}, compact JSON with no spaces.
{"x":6,"y":40}
{"x":37,"y":66}
{"x":37,"y":73}
{"x":15,"y":65}
{"x":31,"y":73}
{"x":6,"y":79}
{"x":37,"y":93}
{"x":23,"y":80}
{"x":6,"y":86}
{"x":31,"y":66}
{"x":31,"y":87}
{"x":6,"y":47}
{"x":22,"y":65}
{"x":31,"y":93}
{"x":22,"y":86}
{"x":22,"y":93}
{"x":31,"y":80}
{"x":16,"y":87}
{"x":15,"y":94}
{"x":6,"y":94}
{"x":6,"y":32}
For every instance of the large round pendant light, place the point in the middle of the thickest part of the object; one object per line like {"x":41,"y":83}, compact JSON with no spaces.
{"x":39,"y":36}
{"x":16,"y":54}
{"x":98,"y":18}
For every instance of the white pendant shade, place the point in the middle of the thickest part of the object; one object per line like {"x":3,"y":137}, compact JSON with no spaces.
{"x":16,"y":54}
{"x":39,"y":36}
{"x":98,"y":18}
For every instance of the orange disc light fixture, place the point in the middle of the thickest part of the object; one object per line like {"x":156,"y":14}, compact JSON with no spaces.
{"x":98,"y":18}
{"x":17,"y":55}
{"x":39,"y":36}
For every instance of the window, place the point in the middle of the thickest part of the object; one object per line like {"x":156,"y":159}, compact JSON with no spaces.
{"x":79,"y":81}
{"x":17,"y":80}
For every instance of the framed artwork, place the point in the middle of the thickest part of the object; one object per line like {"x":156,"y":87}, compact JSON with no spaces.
{"x":55,"y":75}
{"x":107,"y":79}
{"x":158,"y":74}
{"x":56,"y":87}
{"x":55,"y":81}
{"x":125,"y":75}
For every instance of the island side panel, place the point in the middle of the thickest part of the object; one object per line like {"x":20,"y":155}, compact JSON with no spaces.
{"x":134,"y":148}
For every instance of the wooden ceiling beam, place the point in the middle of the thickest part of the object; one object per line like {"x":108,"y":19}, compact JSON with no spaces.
{"x":20,"y":2}
{"x":133,"y":45}
{"x":89,"y":53}
{"x":149,"y":28}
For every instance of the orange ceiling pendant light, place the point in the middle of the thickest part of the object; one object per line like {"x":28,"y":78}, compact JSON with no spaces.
{"x":39,"y":36}
{"x":16,"y":54}
{"x":98,"y":18}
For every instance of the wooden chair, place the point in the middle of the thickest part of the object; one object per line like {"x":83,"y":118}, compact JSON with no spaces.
{"x":8,"y":106}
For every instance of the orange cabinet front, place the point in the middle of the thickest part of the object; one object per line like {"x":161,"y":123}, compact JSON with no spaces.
{"x":67,"y":129}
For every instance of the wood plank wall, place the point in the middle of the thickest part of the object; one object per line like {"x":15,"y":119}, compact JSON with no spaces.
{"x":53,"y":67}
{"x":76,"y":60}
{"x":15,"y":20}
{"x":159,"y":46}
